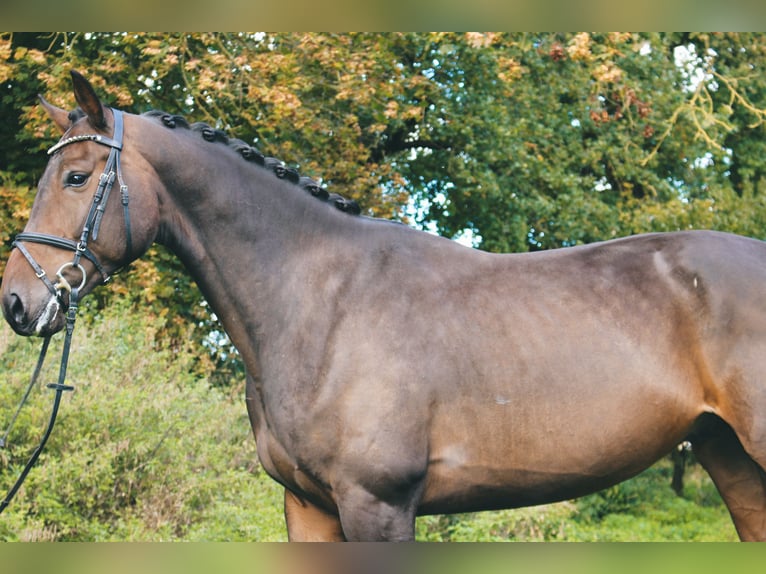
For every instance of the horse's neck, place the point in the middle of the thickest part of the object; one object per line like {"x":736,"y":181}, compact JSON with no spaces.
{"x":241,"y":232}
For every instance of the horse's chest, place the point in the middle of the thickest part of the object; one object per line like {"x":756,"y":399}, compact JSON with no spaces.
{"x":282,"y":458}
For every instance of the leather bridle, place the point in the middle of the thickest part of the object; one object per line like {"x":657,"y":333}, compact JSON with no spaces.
{"x":92,"y":225}
{"x":80,"y":248}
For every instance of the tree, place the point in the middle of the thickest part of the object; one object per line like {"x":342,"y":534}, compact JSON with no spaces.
{"x":527,"y":141}
{"x":566,"y":139}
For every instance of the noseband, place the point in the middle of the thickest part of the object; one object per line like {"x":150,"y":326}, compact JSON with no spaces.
{"x":92,"y":225}
{"x":80,"y":248}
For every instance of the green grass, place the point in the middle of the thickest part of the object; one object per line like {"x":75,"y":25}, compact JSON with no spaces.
{"x":146,"y":450}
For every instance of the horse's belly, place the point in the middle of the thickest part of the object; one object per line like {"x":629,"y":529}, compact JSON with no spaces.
{"x":552,"y":453}
{"x":474,"y":489}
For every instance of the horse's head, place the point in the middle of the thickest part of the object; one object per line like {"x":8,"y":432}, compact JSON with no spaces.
{"x":96,"y":210}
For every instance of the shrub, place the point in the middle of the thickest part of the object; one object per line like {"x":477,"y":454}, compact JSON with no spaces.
{"x":142,"y":450}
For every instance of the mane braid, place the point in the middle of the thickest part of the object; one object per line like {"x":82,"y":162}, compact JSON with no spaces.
{"x":251,"y":154}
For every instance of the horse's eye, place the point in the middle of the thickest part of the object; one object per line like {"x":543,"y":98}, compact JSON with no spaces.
{"x":76,"y":179}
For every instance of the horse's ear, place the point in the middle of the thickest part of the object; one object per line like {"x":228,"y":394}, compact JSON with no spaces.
{"x":88,"y":100}
{"x":60,"y":117}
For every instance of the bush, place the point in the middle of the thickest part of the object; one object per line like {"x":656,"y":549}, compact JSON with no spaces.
{"x":142,"y":449}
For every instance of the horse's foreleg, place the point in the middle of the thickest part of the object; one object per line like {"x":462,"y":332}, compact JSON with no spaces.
{"x":739,"y":478}
{"x":366,"y":517}
{"x":309,"y":523}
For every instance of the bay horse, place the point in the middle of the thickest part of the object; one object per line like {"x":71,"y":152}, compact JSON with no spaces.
{"x":392,"y":373}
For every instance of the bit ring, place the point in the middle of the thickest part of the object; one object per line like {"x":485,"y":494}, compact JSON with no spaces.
{"x":63,"y":283}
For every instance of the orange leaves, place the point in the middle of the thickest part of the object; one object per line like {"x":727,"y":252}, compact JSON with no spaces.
{"x":5,"y":54}
{"x":152,"y":48}
{"x":209,"y":79}
{"x":392,"y":109}
{"x":509,"y":69}
{"x":480,"y":39}
{"x":579,"y":48}
{"x":5,"y":46}
{"x":283,"y":99}
{"x":608,"y":72}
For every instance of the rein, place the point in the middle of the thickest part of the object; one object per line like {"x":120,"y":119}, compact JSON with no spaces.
{"x":59,"y":387}
{"x":90,"y":231}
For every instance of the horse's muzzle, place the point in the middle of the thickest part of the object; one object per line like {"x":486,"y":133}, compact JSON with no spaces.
{"x":43,"y":319}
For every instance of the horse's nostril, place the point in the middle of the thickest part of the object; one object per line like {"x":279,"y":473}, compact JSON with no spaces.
{"x":15,"y":308}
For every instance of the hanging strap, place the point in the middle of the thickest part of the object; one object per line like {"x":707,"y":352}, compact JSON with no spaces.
{"x":59,"y":387}
{"x":32,"y":382}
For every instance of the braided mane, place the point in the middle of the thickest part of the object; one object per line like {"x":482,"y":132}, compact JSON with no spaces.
{"x":250,"y":153}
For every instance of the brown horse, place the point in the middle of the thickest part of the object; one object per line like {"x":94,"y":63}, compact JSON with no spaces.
{"x":393,"y":373}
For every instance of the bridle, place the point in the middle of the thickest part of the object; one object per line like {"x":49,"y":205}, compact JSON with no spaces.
{"x":92,"y":225}
{"x":80,"y":248}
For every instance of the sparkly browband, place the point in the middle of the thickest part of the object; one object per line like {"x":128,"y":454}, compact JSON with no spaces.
{"x":90,"y":137}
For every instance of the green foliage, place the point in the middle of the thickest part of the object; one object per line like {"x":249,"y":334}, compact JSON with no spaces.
{"x":143,"y":449}
{"x":528,"y":141}
{"x":547,"y":523}
{"x":646,"y":508}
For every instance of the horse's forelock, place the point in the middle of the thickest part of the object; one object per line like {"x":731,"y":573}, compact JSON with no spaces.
{"x":75,"y":115}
